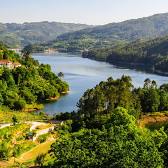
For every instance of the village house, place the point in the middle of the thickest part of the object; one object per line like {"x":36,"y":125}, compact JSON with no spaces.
{"x":9,"y":64}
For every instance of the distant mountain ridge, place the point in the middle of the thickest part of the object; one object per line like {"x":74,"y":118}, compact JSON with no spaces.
{"x":15,"y":35}
{"x":70,"y":37}
{"x":130,"y":30}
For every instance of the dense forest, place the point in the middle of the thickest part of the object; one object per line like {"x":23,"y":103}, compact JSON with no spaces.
{"x":29,"y":83}
{"x":104,"y":131}
{"x":149,"y":55}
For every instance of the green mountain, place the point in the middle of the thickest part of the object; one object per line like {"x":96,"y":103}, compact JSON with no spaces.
{"x":15,"y":35}
{"x":150,"y":55}
{"x":127,"y":31}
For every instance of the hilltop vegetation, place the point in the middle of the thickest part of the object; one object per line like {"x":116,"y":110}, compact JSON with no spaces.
{"x":104,"y":132}
{"x":96,"y":105}
{"x":151,"y":55}
{"x":31,"y":83}
{"x":16,"y":35}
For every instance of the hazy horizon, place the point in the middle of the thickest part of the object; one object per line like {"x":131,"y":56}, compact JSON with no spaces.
{"x":91,"y":12}
{"x":79,"y":22}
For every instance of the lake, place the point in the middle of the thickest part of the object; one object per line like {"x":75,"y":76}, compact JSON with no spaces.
{"x":82,"y":74}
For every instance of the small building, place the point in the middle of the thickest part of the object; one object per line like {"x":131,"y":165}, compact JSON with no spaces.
{"x":9,"y":64}
{"x":6,"y":63}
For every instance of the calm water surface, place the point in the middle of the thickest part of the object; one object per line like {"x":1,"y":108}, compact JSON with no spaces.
{"x":82,"y":74}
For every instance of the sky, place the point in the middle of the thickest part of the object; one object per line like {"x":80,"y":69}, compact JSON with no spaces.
{"x":93,"y":12}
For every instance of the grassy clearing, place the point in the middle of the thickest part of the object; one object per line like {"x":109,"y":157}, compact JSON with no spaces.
{"x":154,"y":121}
{"x":33,"y":107}
{"x":6,"y":116}
{"x":43,"y":126}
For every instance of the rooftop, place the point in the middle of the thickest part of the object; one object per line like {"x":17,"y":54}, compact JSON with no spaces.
{"x":5,"y":62}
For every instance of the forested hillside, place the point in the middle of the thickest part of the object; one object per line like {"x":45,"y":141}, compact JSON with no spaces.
{"x":16,"y":35}
{"x":150,"y":55}
{"x":147,"y":27}
{"x":105,"y":131}
{"x":110,"y":34}
{"x":29,"y":83}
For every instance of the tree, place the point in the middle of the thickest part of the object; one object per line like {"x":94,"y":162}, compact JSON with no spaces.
{"x":147,"y":83}
{"x":120,"y":143}
{"x":150,"y":99}
{"x":60,"y":74}
{"x":19,"y":104}
{"x":163,"y":101}
{"x":28,"y":95}
{"x":29,"y":83}
{"x":4,"y":150}
{"x":97,"y":104}
{"x":40,"y":160}
{"x":27,"y":50}
{"x":1,"y":99}
{"x":14,"y":120}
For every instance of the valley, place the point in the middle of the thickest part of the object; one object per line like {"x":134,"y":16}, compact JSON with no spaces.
{"x":92,"y":95}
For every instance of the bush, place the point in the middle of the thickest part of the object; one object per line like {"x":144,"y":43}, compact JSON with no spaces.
{"x":20,"y":104}
{"x":42,"y":138}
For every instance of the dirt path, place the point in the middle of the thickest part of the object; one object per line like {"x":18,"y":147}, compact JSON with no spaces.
{"x":30,"y":155}
{"x":33,"y":153}
{"x":42,"y":132}
{"x":4,"y":164}
{"x":5,"y":125}
{"x":33,"y":124}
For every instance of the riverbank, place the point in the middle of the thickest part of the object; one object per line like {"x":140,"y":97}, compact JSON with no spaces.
{"x":81,"y":74}
{"x":139,"y":67}
{"x":133,"y":66}
{"x":56,"y":98}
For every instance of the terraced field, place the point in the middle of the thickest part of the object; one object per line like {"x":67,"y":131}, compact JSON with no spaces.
{"x":23,"y":143}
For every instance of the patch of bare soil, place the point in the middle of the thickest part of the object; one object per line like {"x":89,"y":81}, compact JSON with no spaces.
{"x":153,"y":119}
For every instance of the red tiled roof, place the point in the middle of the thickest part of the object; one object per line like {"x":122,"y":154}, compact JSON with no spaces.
{"x":5,"y":62}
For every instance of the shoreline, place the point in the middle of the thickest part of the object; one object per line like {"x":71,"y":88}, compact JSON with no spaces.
{"x":132,"y":66}
{"x":36,"y":107}
{"x":54,"y":99}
